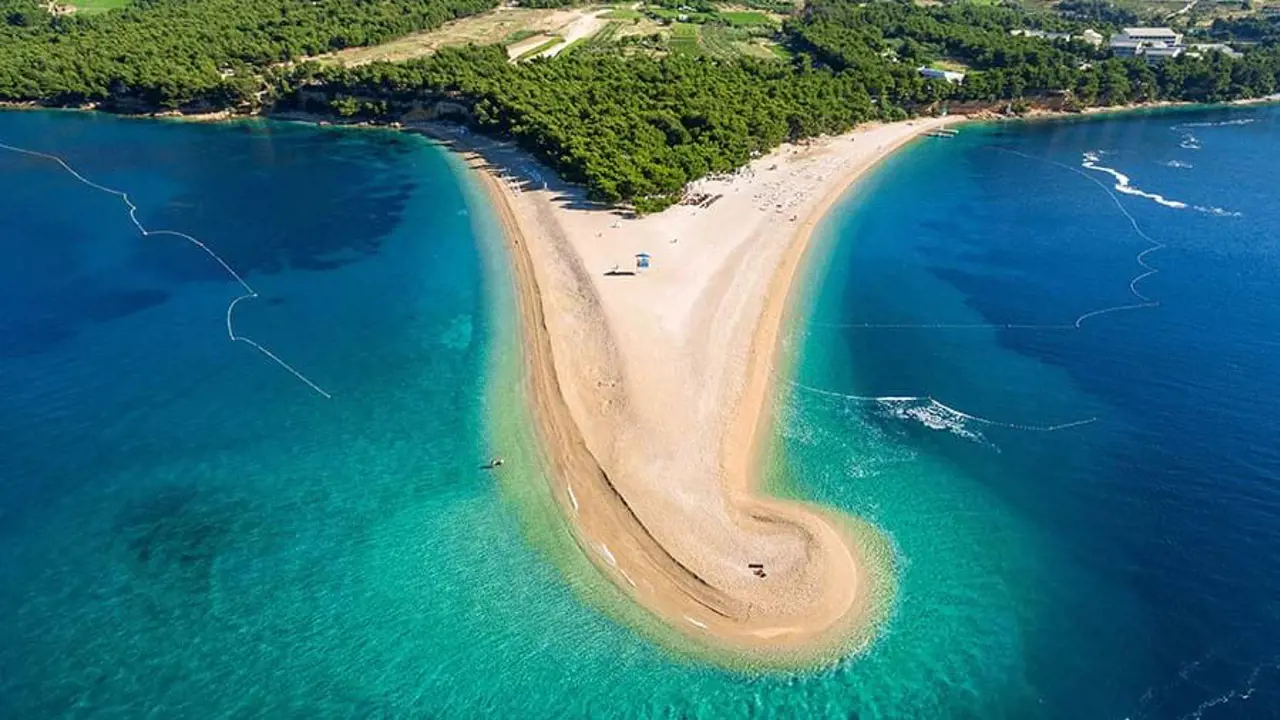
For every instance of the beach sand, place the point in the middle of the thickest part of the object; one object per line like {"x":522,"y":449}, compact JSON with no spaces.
{"x":651,"y":390}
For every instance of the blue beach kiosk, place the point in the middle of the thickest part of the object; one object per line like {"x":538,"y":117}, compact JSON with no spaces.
{"x":642,"y":261}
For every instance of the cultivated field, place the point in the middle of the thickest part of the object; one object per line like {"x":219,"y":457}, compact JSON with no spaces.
{"x":504,"y":26}
{"x":527,"y":33}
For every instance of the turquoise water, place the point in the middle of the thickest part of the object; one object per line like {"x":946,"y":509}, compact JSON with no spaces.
{"x":191,"y":530}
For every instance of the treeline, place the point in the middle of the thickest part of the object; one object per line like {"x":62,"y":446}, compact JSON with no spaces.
{"x":886,"y":42}
{"x":1098,"y":12}
{"x":1252,"y":28}
{"x":548,"y":3}
{"x":161,"y":54}
{"x":631,"y":129}
{"x":637,"y":129}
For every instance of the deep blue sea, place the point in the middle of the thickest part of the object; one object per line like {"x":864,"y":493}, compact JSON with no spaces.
{"x":1083,"y":501}
{"x":1114,"y":484}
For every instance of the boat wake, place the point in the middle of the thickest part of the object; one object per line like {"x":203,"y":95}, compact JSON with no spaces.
{"x":1125,"y":185}
{"x":934,"y":414}
{"x":1223,"y":123}
{"x":1188,"y":141}
{"x":248,"y":294}
{"x":1147,"y":270}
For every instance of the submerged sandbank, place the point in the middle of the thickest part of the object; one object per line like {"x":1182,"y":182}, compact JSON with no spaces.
{"x":650,"y":390}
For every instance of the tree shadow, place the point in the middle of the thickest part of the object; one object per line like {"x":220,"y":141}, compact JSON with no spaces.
{"x":512,"y":165}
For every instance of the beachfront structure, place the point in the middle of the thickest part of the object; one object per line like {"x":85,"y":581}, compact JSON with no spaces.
{"x":948,"y":75}
{"x":1153,"y":35}
{"x":1155,"y":44}
{"x":1090,"y":36}
{"x":1198,"y":49}
{"x":1043,"y":35}
{"x":1156,"y":54}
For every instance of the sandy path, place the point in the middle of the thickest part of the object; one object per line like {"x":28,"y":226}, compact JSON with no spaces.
{"x":650,"y":391}
{"x":583,"y":27}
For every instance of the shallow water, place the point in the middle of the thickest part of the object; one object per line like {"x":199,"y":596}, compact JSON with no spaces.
{"x":189,"y":529}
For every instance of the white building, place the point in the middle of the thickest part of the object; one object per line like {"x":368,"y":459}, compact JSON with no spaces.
{"x":1043,"y":35}
{"x":1156,"y":54}
{"x":1154,"y":36}
{"x":1153,"y":43}
{"x":1199,"y":49}
{"x":936,"y":74}
{"x":1093,"y":37}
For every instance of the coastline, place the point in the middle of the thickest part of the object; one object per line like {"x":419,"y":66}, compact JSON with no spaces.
{"x":743,"y":447}
{"x":989,"y":114}
{"x":724,"y":613}
{"x":836,"y":628}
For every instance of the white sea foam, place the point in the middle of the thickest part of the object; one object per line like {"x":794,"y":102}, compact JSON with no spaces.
{"x":1217,"y":211}
{"x":935,"y":414}
{"x":1178,"y":164}
{"x":1238,"y":694}
{"x":608,"y":556}
{"x":1189,"y":142}
{"x":929,"y":413}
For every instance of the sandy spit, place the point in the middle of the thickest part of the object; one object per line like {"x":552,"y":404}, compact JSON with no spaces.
{"x":651,"y":389}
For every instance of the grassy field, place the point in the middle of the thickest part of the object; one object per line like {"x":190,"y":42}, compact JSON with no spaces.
{"x":949,"y":65}
{"x":573,"y":47}
{"x":518,"y":35}
{"x":725,"y":42}
{"x":780,"y":52}
{"x":717,"y":42}
{"x":763,"y":49}
{"x":538,"y":50}
{"x":623,"y":14}
{"x":608,"y":34}
{"x":90,"y":7}
{"x":684,"y":39}
{"x":741,"y":19}
{"x":643,"y":28}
